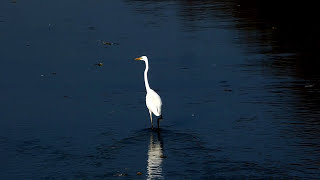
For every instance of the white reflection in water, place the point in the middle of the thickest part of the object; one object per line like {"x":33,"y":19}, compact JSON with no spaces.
{"x":155,"y":158}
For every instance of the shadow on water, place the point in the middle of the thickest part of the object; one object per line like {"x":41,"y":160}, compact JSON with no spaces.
{"x":269,"y":27}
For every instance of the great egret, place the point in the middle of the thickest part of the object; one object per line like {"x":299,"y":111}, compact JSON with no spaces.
{"x":153,"y":100}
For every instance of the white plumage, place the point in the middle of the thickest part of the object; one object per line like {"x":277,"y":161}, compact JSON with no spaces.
{"x":153,"y":100}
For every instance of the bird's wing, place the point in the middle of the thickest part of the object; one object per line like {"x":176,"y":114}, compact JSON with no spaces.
{"x":154,"y":102}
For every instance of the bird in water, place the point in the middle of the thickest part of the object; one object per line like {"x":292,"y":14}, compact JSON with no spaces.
{"x":153,"y":100}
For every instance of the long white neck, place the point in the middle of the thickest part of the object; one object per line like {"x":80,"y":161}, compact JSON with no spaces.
{"x":146,"y":83}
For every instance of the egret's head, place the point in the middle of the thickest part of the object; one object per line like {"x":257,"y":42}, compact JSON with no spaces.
{"x":142,"y":58}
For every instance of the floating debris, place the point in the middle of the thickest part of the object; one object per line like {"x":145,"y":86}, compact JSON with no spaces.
{"x":99,"y":64}
{"x":228,"y":90}
{"x":48,"y":74}
{"x":139,"y":173}
{"x":121,"y":174}
{"x":309,"y":85}
{"x":107,"y":43}
{"x":163,"y":156}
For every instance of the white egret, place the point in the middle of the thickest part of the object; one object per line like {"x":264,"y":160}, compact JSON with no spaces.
{"x":153,"y":100}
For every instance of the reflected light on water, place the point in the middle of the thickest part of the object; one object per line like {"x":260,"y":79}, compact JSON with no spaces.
{"x":155,"y":153}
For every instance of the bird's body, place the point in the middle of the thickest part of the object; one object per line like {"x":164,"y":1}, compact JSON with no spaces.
{"x":153,"y":100}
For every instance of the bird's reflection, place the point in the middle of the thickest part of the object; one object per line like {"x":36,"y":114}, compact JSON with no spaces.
{"x":155,"y":156}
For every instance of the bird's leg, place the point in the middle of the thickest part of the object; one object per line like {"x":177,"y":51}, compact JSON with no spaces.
{"x":151,"y":119}
{"x":159,"y":121}
{"x":158,"y":124}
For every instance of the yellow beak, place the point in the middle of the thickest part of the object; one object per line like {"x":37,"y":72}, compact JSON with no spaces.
{"x":138,"y":58}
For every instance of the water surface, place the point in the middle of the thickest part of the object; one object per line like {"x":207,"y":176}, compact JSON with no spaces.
{"x":239,"y":83}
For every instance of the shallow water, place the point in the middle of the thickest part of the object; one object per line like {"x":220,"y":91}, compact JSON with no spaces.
{"x":239,"y":83}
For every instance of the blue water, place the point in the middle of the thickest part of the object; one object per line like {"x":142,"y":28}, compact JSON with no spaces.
{"x":239,"y":87}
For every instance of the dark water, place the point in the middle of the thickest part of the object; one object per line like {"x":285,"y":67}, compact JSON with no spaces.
{"x":239,"y":81}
